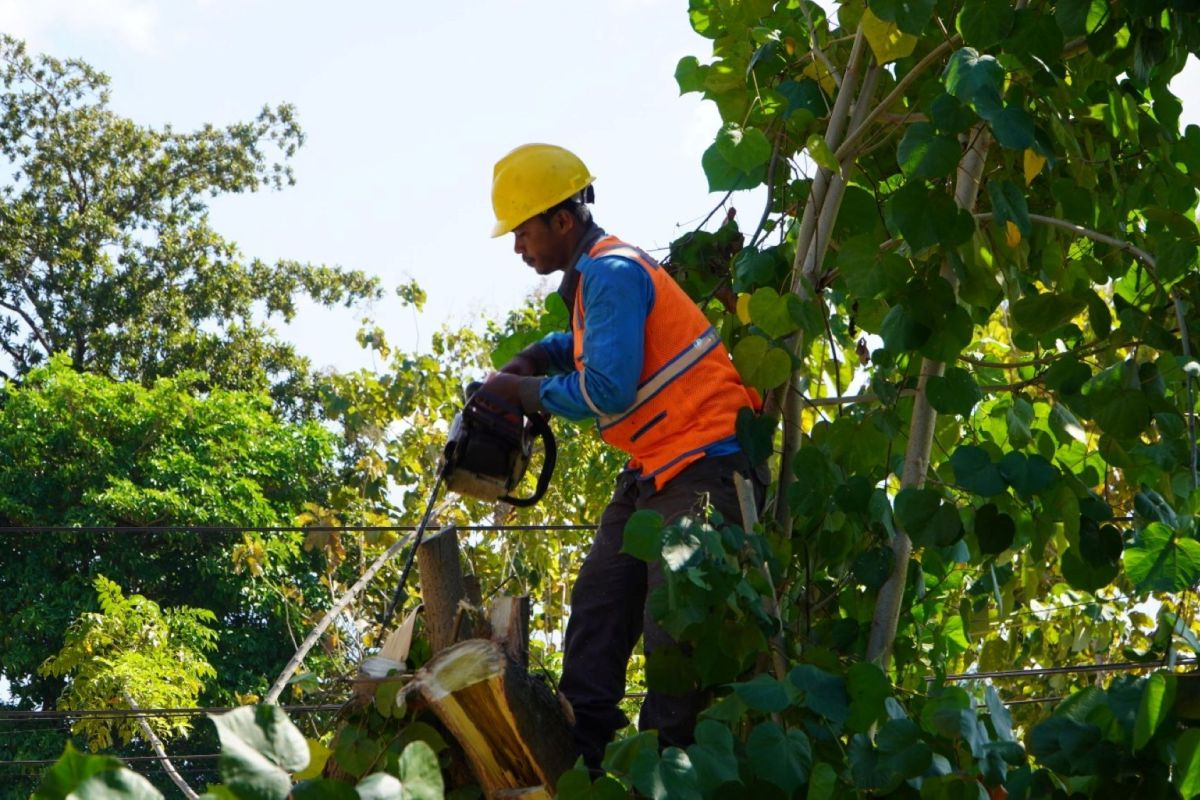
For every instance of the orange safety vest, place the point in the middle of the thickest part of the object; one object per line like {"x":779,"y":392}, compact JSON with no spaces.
{"x":689,"y":393}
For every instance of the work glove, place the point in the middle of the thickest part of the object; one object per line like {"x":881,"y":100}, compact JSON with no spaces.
{"x":530,"y":361}
{"x":518,"y":391}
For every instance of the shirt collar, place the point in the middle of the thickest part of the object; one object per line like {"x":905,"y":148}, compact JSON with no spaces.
{"x":570,"y":280}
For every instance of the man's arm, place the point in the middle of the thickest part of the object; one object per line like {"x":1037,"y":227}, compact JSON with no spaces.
{"x":617,"y":296}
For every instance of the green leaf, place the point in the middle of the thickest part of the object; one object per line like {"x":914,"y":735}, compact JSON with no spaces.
{"x":994,"y":530}
{"x":1125,"y":415}
{"x":873,"y":567}
{"x":824,"y":692}
{"x":355,"y":751}
{"x":382,"y":786}
{"x":620,"y":755}
{"x":1151,"y":505}
{"x":903,"y":330}
{"x":1080,"y":17}
{"x":419,"y":773}
{"x":1043,"y":313}
{"x":1081,"y":573}
{"x":822,"y":783}
{"x":901,"y":750}
{"x":1187,"y":763}
{"x":925,"y":154}
{"x":764,"y":693}
{"x":1158,"y":698}
{"x":117,"y":784}
{"x":1067,"y":374}
{"x":1162,"y":560}
{"x":954,"y":392}
{"x":761,"y":364}
{"x":725,"y":177}
{"x":712,"y":756}
{"x":1009,"y":205}
{"x":576,"y":784}
{"x":756,"y":435}
{"x":746,"y":149}
{"x":868,"y":688}
{"x":1027,"y":474}
{"x":1013,"y":128}
{"x":779,"y":758}
{"x":975,"y":472}
{"x":643,"y":535}
{"x":669,"y":670}
{"x":975,"y":79}
{"x":984,"y":23}
{"x":71,"y":769}
{"x":911,"y":16}
{"x":819,"y":151}
{"x":259,"y":748}
{"x":804,"y":95}
{"x":689,"y":74}
{"x":776,"y":315}
{"x":320,"y":789}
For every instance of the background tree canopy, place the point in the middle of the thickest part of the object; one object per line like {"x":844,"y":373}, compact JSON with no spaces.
{"x":106,"y":253}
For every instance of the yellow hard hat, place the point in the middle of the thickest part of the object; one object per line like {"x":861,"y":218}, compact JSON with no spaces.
{"x":532,"y":179}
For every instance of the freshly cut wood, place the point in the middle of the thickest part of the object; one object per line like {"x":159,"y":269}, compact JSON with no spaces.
{"x":509,"y":618}
{"x":442,"y":587}
{"x":510,"y":724}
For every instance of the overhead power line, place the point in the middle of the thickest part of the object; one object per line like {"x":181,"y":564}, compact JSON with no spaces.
{"x":19,"y":530}
{"x":7,"y":715}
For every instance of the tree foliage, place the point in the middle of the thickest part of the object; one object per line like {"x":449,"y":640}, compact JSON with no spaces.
{"x":106,"y":250}
{"x":133,"y":654}
{"x":82,"y":450}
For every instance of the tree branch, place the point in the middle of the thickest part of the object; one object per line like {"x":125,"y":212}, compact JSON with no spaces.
{"x":845,"y":150}
{"x":157,"y":745}
{"x":276,"y":689}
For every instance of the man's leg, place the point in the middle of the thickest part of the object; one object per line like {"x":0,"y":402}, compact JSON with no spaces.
{"x":707,"y":482}
{"x":605,"y":624}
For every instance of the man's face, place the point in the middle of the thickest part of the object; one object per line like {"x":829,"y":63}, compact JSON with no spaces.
{"x":544,"y":244}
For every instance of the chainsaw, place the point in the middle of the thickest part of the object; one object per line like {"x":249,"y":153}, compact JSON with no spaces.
{"x":489,"y":448}
{"x":487,"y":453}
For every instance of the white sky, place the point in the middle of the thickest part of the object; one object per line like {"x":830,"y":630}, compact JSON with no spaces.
{"x":406,"y":106}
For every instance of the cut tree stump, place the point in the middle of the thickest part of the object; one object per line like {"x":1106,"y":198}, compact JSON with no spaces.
{"x":510,"y":724}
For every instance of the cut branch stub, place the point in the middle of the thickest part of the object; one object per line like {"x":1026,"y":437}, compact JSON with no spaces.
{"x":510,"y":724}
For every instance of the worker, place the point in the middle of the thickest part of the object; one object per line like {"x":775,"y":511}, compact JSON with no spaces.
{"x":645,"y":363}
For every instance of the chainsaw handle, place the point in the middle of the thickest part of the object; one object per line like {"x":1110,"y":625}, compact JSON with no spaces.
{"x":539,"y":424}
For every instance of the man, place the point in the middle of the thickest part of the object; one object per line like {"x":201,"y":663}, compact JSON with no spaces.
{"x":644,"y":362}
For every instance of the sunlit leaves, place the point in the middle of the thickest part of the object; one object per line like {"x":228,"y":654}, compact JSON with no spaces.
{"x":260,"y":747}
{"x":887,"y":41}
{"x":1163,"y":560}
{"x":81,"y":775}
{"x":761,"y":364}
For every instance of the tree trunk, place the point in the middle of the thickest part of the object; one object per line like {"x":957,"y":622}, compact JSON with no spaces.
{"x":442,"y":587}
{"x":157,"y":746}
{"x":924,"y":417}
{"x":510,"y":725}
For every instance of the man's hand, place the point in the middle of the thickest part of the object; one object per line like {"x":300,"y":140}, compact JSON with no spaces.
{"x":518,"y":390}
{"x":520,"y":364}
{"x":533,"y":360}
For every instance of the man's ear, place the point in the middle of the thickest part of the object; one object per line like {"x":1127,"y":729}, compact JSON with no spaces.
{"x":564,"y":221}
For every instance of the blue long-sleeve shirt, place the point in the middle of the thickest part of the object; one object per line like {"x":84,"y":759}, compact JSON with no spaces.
{"x":618,"y":295}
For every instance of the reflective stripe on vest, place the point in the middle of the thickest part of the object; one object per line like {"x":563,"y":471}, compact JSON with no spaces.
{"x":678,"y":365}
